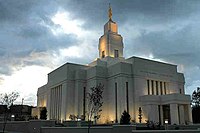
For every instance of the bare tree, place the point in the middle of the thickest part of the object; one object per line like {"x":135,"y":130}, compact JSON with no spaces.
{"x":7,"y":99}
{"x":94,"y":103}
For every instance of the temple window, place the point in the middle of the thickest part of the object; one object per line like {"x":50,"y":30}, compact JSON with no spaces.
{"x":156,"y":87}
{"x":103,"y":54}
{"x":152,"y":87}
{"x":161,"y":90}
{"x":148,"y":87}
{"x":165,"y":89}
{"x":116,"y":53}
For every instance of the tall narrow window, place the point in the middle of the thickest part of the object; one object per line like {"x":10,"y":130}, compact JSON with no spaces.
{"x":103,"y":54}
{"x":161,"y":90}
{"x":116,"y":103}
{"x":152,"y":87}
{"x":165,"y":89}
{"x":84,"y":98}
{"x":156,"y":87}
{"x":116,"y":53}
{"x":148,"y":87}
{"x":127,"y":102}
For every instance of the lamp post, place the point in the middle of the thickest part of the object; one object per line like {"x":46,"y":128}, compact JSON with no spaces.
{"x":166,"y":124}
{"x":12,"y":117}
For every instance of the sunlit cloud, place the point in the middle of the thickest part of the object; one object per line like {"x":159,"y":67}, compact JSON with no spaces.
{"x":73,"y":51}
{"x":1,"y":80}
{"x":25,"y":81}
{"x":67,"y":24}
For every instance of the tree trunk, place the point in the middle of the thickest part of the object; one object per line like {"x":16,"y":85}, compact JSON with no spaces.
{"x":88,"y":124}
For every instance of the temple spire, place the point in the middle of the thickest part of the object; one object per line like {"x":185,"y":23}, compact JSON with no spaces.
{"x":110,"y":43}
{"x":110,"y":12}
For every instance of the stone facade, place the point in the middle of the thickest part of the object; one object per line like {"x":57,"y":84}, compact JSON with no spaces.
{"x":130,"y":83}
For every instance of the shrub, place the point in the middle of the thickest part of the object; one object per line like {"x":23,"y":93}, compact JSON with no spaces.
{"x":125,"y":118}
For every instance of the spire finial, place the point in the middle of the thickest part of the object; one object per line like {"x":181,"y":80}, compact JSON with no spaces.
{"x":110,"y":12}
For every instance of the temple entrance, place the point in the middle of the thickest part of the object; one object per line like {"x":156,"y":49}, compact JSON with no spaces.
{"x":166,"y":114}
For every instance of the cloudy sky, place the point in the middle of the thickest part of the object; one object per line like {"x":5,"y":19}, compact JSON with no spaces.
{"x":38,"y":36}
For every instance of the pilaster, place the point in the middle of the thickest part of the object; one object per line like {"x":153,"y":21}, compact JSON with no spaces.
{"x":181,"y":114}
{"x":174,"y":114}
{"x":189,"y":113}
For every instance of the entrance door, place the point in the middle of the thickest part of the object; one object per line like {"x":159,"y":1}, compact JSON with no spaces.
{"x":166,"y":114}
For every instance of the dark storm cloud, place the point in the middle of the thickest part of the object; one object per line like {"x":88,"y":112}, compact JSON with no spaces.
{"x":137,"y":11}
{"x":15,"y":11}
{"x":167,"y":29}
{"x":22,"y":33}
{"x":30,"y":32}
{"x":180,"y":46}
{"x":26,"y":39}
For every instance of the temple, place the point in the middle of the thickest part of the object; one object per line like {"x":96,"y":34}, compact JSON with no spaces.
{"x":131,"y":84}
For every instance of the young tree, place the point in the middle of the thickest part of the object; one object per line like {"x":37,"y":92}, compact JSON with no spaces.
{"x":125,"y":118}
{"x":196,"y":106}
{"x":94,"y":103}
{"x":43,"y":113}
{"x":7,"y":99}
{"x":140,"y":114}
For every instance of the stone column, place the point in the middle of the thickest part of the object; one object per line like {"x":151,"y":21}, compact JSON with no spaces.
{"x":57,"y":98}
{"x":154,"y":86}
{"x":153,"y":113}
{"x":159,"y":92}
{"x":48,"y":104}
{"x":59,"y":101}
{"x":77,"y":98}
{"x":150,"y":89}
{"x":181,"y":114}
{"x":174,"y":114}
{"x":189,"y":113}
{"x":63,"y":101}
{"x":53,"y":104}
{"x":116,"y":102}
{"x":56,"y":103}
{"x":161,"y":114}
{"x":167,"y":88}
{"x":121,"y":97}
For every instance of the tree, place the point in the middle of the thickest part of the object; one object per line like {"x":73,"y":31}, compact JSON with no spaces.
{"x":8,"y":100}
{"x":140,"y":114}
{"x":196,"y":105}
{"x":125,"y":118}
{"x":196,"y":98}
{"x":43,"y":113}
{"x":94,"y":103}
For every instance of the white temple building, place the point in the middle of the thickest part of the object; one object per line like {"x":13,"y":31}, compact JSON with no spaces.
{"x":130,"y":83}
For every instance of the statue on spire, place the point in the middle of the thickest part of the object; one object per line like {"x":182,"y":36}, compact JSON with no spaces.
{"x":110,"y":12}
